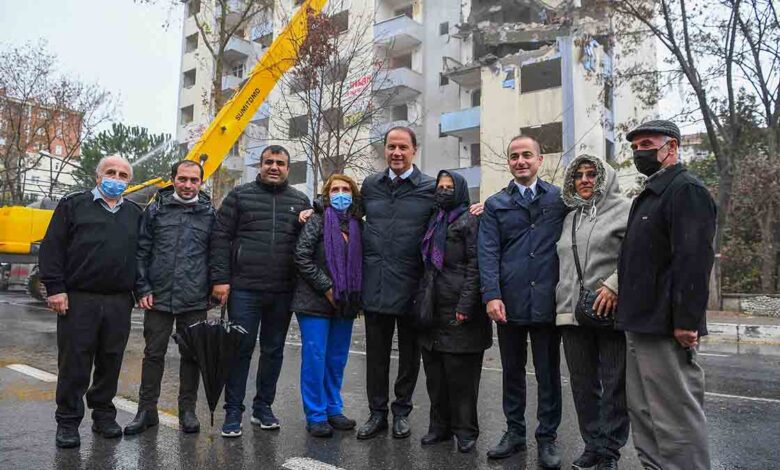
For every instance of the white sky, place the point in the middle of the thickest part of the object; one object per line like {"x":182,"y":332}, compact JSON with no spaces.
{"x":118,"y":44}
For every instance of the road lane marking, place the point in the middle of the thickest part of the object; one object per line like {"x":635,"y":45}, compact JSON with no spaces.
{"x":123,"y":404}
{"x":740,"y":397}
{"x":305,"y":463}
{"x":712,"y":354}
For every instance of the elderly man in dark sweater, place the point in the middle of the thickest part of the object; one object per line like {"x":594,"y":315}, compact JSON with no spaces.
{"x":87,"y":263}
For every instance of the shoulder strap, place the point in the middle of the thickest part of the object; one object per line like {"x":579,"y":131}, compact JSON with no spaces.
{"x":574,"y":248}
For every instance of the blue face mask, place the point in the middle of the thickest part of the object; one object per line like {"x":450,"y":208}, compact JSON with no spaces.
{"x":341,"y":201}
{"x":112,"y":188}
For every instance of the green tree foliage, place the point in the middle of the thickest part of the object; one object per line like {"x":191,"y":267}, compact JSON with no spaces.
{"x":151,"y":154}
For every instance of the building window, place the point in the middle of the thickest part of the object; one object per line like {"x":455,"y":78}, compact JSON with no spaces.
{"x":193,"y":7}
{"x":57,"y":151}
{"x":187,"y":114}
{"x":540,"y":76}
{"x":341,"y":21}
{"x":476,"y":97}
{"x":443,"y":80}
{"x":237,"y":70}
{"x":332,"y":165}
{"x":299,"y":126}
{"x":402,"y":61}
{"x":476,"y":156}
{"x":332,"y":119}
{"x":444,"y":28}
{"x":191,"y":42}
{"x":608,"y":96}
{"x":399,"y":113}
{"x":404,"y":11}
{"x":298,"y":171}
{"x":549,"y":136}
{"x":188,"y":81}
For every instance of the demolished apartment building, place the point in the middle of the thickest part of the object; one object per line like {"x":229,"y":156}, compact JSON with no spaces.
{"x":540,"y":68}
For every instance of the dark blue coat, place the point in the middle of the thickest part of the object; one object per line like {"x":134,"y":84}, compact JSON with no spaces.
{"x":518,"y":262}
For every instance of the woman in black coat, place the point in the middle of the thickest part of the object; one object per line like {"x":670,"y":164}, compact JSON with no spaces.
{"x":453,"y":347}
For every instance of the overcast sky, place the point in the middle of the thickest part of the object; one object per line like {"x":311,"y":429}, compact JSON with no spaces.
{"x":118,"y":44}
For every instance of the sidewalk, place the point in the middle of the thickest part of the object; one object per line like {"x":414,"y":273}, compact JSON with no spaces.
{"x":743,"y":328}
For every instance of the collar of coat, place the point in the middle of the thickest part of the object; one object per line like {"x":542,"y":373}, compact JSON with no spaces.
{"x":272,"y":188}
{"x":541,"y":187}
{"x":414,"y":178}
{"x":659,"y":184}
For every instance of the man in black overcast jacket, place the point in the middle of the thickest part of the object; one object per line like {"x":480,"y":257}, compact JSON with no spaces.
{"x":664,"y":271}
{"x":252,"y":247}
{"x":87,"y":263}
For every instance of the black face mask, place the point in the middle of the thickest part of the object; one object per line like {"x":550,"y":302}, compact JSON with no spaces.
{"x":445,"y":198}
{"x":646,"y":161}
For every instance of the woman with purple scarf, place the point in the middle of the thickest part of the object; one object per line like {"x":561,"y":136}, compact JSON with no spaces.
{"x":453,"y":347}
{"x":329,"y":260}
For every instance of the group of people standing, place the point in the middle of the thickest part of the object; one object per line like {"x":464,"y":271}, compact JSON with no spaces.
{"x":525,"y":260}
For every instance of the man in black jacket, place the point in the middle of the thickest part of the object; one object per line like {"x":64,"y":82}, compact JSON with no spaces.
{"x":398,"y":202}
{"x":172,"y":283}
{"x":251,"y":262}
{"x":664,"y":270}
{"x":87,"y":263}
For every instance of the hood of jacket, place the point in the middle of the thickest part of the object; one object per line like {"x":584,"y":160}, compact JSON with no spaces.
{"x":605,"y":189}
{"x":461,"y":187}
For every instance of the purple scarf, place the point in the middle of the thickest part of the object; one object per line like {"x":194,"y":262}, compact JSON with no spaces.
{"x":344,"y":262}
{"x":435,"y":240}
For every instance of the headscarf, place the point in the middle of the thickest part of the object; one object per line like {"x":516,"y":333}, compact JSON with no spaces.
{"x":344,"y":260}
{"x":434,"y":242}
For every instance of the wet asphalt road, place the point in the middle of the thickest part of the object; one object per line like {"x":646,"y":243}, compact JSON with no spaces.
{"x":743,"y":407}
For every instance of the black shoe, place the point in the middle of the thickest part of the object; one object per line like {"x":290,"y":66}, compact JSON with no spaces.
{"x":143,"y":420}
{"x":549,"y":456}
{"x":401,"y":428}
{"x":67,"y":437}
{"x":320,"y":429}
{"x":608,"y":463}
{"x":510,"y":444}
{"x":435,"y":437}
{"x":107,"y":429}
{"x":341,"y":422}
{"x":586,"y":461}
{"x":188,"y":422}
{"x":465,"y":446}
{"x":375,"y":424}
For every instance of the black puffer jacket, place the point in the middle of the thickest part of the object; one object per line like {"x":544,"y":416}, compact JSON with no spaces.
{"x":254,"y":237}
{"x":395,"y":224}
{"x":314,"y":278}
{"x":457,"y":289}
{"x":173,"y":253}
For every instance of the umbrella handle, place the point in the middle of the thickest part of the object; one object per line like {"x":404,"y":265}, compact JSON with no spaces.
{"x":222,"y":312}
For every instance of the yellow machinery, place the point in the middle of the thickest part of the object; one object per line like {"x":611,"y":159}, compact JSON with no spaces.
{"x":21,"y":228}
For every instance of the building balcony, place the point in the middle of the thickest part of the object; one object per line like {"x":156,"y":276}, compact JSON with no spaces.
{"x":398,"y":34}
{"x":231,"y":82}
{"x":399,"y":85}
{"x":468,"y":77}
{"x":238,"y":50}
{"x":463,"y":123}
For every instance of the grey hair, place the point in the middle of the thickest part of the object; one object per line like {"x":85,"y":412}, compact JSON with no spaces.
{"x":105,"y":159}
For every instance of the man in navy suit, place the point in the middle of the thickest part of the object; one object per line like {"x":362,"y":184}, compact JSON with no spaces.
{"x":519,"y":271}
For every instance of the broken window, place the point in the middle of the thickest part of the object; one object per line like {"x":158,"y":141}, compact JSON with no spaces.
{"x":187,"y":114}
{"x":332,"y":119}
{"x":443,"y":80}
{"x":476,"y":156}
{"x":400,"y":113}
{"x":549,"y":136}
{"x":404,"y":11}
{"x":476,"y":97}
{"x":298,"y":173}
{"x":444,"y":28}
{"x":299,"y":126}
{"x":191,"y":42}
{"x":402,"y":61}
{"x":341,"y":21}
{"x":540,"y":75}
{"x":188,"y":80}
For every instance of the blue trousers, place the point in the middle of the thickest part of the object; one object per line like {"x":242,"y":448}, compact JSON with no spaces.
{"x":323,"y":359}
{"x":270,"y":313}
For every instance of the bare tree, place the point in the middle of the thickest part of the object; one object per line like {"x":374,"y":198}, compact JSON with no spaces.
{"x":41,"y":111}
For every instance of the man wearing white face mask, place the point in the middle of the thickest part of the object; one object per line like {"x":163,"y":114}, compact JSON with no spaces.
{"x":87,"y":263}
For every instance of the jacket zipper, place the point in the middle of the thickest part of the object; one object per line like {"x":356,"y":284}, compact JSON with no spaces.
{"x":175,"y":262}
{"x":273,"y":224}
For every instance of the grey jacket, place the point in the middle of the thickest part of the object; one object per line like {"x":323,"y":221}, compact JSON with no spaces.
{"x":601,"y":226}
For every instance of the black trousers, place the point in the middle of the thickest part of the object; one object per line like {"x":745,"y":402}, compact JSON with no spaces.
{"x":158,"y":327}
{"x":94,"y":332}
{"x":597,"y":365}
{"x":545,"y":348}
{"x":379,"y":342}
{"x":453,"y":388}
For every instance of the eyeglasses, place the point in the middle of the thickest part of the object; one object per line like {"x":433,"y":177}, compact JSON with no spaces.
{"x":591,"y":175}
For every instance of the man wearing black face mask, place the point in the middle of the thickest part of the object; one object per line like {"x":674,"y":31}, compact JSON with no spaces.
{"x":664,"y":269}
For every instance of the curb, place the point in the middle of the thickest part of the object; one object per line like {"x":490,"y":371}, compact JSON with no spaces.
{"x":743,"y":333}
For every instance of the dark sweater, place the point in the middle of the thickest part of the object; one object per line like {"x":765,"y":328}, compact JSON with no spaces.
{"x":87,"y":248}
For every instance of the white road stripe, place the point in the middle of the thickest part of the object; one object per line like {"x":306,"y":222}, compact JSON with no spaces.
{"x":123,"y":404}
{"x":740,"y":397}
{"x":712,"y":354}
{"x":305,"y":463}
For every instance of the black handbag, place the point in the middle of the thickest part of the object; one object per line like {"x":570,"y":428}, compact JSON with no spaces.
{"x":583,"y":311}
{"x":424,"y":301}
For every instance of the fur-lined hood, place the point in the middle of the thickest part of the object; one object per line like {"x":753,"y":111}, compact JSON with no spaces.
{"x":604,"y":190}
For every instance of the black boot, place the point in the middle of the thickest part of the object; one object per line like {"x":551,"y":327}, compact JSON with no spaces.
{"x":188,"y":422}
{"x":341,"y":422}
{"x":549,"y":456}
{"x":107,"y":429}
{"x":608,"y":463}
{"x":143,"y":420}
{"x":375,"y":424}
{"x":510,"y":444}
{"x":67,"y":437}
{"x":465,"y":446}
{"x":401,"y":428}
{"x":435,"y":437}
{"x":588,"y":460}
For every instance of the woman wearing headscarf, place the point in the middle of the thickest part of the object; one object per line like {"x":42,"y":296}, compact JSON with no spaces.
{"x":329,"y":260}
{"x":596,"y":355}
{"x":453,"y":347}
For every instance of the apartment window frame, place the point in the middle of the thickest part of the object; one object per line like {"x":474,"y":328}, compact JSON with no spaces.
{"x":549,"y":135}
{"x":299,"y":172}
{"x":399,"y":112}
{"x":542,"y":75}
{"x":444,"y":28}
{"x":187,"y":114}
{"x":189,"y":78}
{"x":298,"y":126}
{"x":475,"y":154}
{"x":341,"y":21}
{"x":443,"y":79}
{"x":191,"y":42}
{"x":407,"y":11}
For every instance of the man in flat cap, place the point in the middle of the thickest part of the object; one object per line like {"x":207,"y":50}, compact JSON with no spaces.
{"x":664,"y":271}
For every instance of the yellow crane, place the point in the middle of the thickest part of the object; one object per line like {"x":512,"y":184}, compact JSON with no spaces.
{"x":22,"y":228}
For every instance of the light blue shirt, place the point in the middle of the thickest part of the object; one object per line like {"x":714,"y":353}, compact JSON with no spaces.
{"x":406,"y":174}
{"x":97,"y":195}
{"x":523,"y":188}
